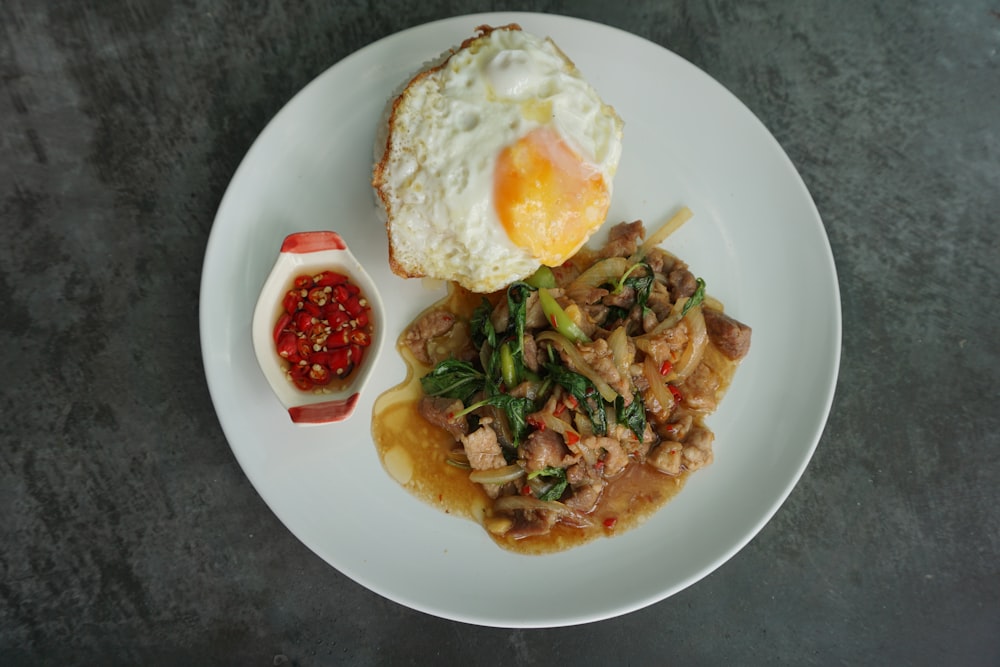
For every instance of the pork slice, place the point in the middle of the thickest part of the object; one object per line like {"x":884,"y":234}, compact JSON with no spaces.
{"x":585,"y":295}
{"x":439,"y":410}
{"x":534,"y":316}
{"x":623,"y":239}
{"x":660,"y":260}
{"x":483,"y":449}
{"x":623,"y":299}
{"x":529,"y":523}
{"x":701,"y":389}
{"x":529,"y":349}
{"x":667,"y":457}
{"x":668,"y":345}
{"x":615,"y":458}
{"x":484,"y":452}
{"x":598,"y":355}
{"x":430,"y":325}
{"x":546,"y":449}
{"x":585,"y":496}
{"x":698,"y":448}
{"x":729,"y":335}
{"x":659,"y":300}
{"x":682,"y":282}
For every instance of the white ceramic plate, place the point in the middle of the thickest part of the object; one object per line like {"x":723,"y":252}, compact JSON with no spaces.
{"x":756,"y":238}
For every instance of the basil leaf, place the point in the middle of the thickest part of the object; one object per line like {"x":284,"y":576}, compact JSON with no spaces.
{"x":482,"y":325}
{"x":632,"y":415}
{"x":453,"y":379}
{"x":517,"y":410}
{"x":517,"y":305}
{"x":585,"y":393}
{"x":696,"y":298}
{"x":558,"y":488}
{"x":642,"y":285}
{"x":615,"y":314}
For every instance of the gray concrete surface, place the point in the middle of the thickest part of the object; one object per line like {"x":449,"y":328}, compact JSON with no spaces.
{"x":129,"y":534}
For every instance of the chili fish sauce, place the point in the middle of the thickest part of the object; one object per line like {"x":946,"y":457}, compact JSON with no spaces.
{"x":323,"y":330}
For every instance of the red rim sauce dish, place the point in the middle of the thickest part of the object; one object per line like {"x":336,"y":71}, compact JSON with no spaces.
{"x":317,"y":328}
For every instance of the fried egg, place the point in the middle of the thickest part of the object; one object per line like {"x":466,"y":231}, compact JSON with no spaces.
{"x":495,"y":162}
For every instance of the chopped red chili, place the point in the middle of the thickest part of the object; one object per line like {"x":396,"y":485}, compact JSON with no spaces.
{"x":666,"y":367}
{"x":324,"y":326}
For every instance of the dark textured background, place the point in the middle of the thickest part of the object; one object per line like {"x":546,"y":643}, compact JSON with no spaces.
{"x":129,"y":535}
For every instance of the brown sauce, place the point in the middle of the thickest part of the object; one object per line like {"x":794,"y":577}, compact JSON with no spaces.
{"x":414,"y":452}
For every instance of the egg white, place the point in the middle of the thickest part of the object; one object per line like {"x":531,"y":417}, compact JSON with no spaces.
{"x":436,"y":177}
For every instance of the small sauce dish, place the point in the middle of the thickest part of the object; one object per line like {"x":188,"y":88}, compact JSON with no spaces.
{"x":317,"y":328}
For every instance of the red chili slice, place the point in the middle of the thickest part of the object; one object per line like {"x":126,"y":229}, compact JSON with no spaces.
{"x":303,"y":320}
{"x":340,"y":293}
{"x":336,"y":317}
{"x":353,"y":306}
{"x":338,"y":339}
{"x":357,"y":354}
{"x":678,"y":396}
{"x":282,"y":324}
{"x":320,"y":374}
{"x":319,"y":296}
{"x":359,"y":337}
{"x":303,"y":282}
{"x":329,"y":279}
{"x":287,"y":345}
{"x":291,"y":302}
{"x":340,"y":362}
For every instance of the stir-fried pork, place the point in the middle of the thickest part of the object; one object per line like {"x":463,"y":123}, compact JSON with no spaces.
{"x":554,"y":423}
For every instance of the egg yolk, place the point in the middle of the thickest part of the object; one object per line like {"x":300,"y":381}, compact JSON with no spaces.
{"x":548,"y":199}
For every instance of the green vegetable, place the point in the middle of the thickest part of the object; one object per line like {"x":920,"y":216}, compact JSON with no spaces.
{"x":696,"y":298}
{"x":482,"y":325}
{"x":620,"y":285}
{"x":508,"y":368}
{"x":543,"y":277}
{"x":615,"y":313}
{"x":585,"y":393}
{"x":642,"y":285}
{"x":453,"y":379}
{"x":513,"y":369}
{"x":632,"y":415}
{"x":558,"y":488}
{"x":516,"y":409}
{"x":558,"y":318}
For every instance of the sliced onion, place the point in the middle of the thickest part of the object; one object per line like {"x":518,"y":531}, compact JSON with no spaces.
{"x":512,"y":503}
{"x":608,"y":270}
{"x":579,"y":363}
{"x":618,"y":342}
{"x":657,"y":386}
{"x":671,"y":320}
{"x":497,"y":475}
{"x":553,"y":423}
{"x":660,"y":235}
{"x":713,"y":303}
{"x":697,"y":341}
